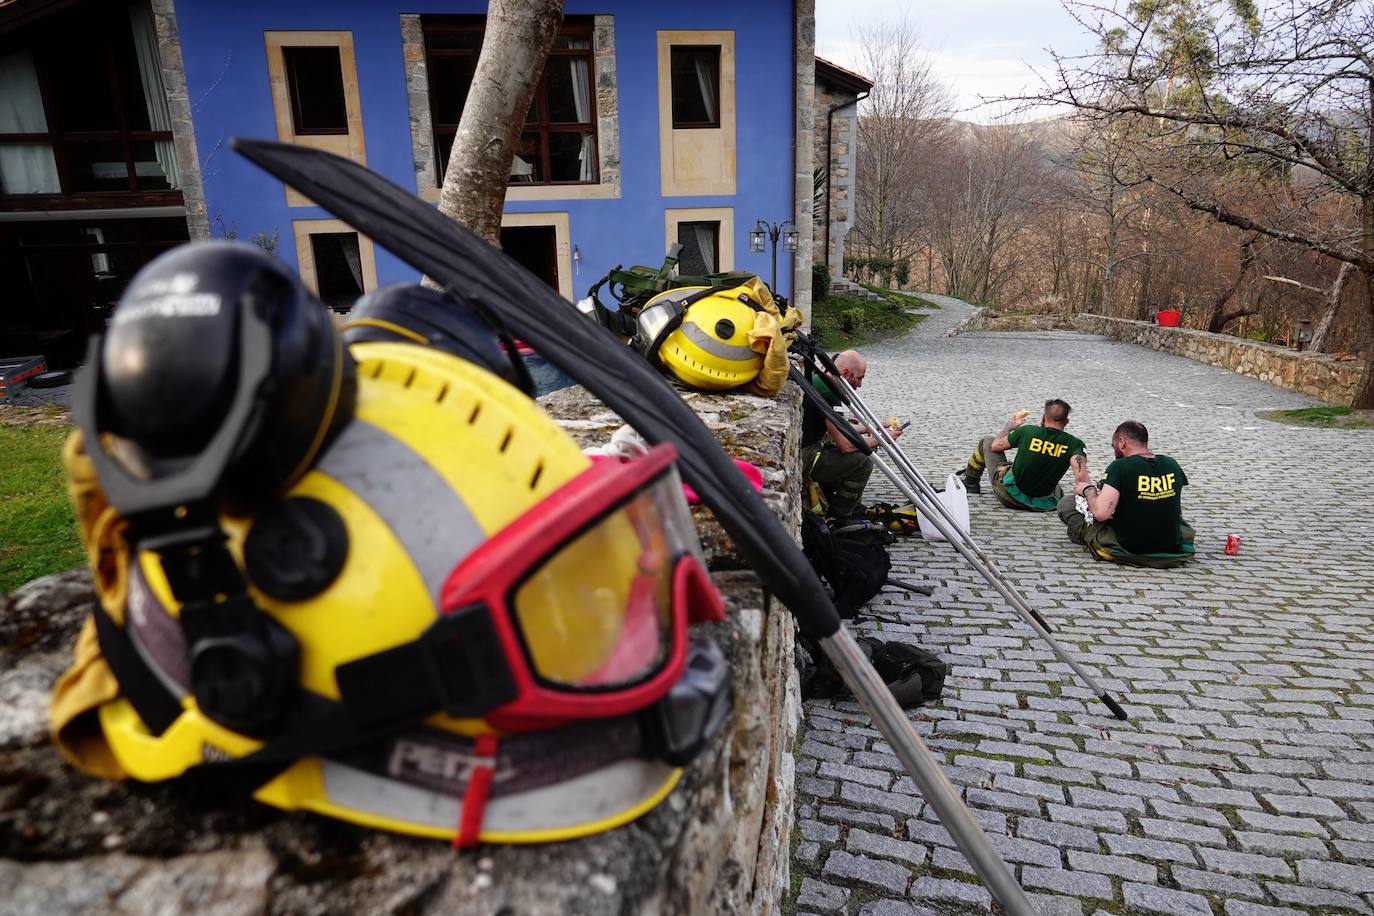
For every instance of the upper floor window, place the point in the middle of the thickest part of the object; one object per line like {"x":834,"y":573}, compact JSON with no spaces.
{"x":314,"y":80}
{"x":695,"y":75}
{"x":84,"y":107}
{"x":558,"y":144}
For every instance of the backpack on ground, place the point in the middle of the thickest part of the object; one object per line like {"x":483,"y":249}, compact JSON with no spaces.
{"x":914,"y":675}
{"x":855,"y":571}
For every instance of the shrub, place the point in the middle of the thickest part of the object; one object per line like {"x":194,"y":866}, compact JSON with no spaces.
{"x":851,"y":320}
{"x":820,"y":281}
{"x":902,"y":272}
{"x":882,"y":270}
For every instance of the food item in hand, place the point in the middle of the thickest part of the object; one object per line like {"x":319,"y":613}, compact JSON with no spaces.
{"x":892,"y":423}
{"x":1021,"y":415}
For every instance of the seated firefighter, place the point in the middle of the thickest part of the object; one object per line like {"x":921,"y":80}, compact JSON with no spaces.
{"x":1137,"y":510}
{"x":1043,"y":453}
{"x":829,"y":459}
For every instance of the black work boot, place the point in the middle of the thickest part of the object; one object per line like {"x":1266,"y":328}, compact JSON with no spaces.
{"x":971,"y":484}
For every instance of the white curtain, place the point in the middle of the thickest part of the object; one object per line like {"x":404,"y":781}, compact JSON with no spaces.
{"x":100,"y":263}
{"x":353,"y":256}
{"x":154,"y":93}
{"x":706,"y":79}
{"x":706,"y":243}
{"x":582,"y":101}
{"x":25,"y":168}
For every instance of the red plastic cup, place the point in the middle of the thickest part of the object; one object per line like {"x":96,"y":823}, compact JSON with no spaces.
{"x":1232,"y":545}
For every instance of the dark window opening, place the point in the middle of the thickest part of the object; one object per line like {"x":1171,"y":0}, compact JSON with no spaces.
{"x":314,"y":80}
{"x":700,"y":248}
{"x":338,"y":268}
{"x":64,"y":279}
{"x":695,"y":74}
{"x":559,"y":143}
{"x":535,"y":248}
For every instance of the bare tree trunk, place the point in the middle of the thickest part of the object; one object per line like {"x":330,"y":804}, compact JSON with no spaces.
{"x":1333,"y":305}
{"x":1221,"y":316}
{"x":518,"y":36}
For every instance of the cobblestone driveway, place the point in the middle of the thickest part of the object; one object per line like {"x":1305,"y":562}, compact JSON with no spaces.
{"x":1244,"y":784}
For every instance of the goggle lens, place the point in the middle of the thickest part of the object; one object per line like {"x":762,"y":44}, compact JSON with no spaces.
{"x":598,"y":612}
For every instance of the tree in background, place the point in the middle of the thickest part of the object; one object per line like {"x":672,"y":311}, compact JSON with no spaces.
{"x":515,"y":46}
{"x":983,"y":192}
{"x":902,"y":126}
{"x":1280,"y":98}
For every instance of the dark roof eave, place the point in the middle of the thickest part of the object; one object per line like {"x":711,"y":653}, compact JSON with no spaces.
{"x":840,"y":78}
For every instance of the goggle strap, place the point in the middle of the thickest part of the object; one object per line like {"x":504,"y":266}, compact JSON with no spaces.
{"x":479,"y":790}
{"x":456,"y":666}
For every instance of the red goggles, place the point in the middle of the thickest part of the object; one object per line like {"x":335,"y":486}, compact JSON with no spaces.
{"x":580,"y":606}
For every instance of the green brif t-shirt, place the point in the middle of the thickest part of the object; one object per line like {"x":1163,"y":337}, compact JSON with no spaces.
{"x":1042,"y":457}
{"x":813,"y":421}
{"x":1149,"y":509}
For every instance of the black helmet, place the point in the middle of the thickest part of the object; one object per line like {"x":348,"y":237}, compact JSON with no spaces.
{"x":409,"y":312}
{"x":218,"y":355}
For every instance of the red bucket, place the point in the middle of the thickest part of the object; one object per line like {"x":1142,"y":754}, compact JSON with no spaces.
{"x":1168,"y":318}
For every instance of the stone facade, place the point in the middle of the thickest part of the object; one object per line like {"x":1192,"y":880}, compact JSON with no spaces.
{"x":1317,"y":375}
{"x":718,"y":844}
{"x":417,"y":98}
{"x":179,"y":108}
{"x":841,"y":162}
{"x":804,"y":56}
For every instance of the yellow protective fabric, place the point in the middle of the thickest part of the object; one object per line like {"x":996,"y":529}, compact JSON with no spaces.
{"x":81,"y":690}
{"x":88,"y":683}
{"x":772,"y":337}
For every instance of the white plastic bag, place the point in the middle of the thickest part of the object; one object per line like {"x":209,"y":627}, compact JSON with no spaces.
{"x":955,"y":499}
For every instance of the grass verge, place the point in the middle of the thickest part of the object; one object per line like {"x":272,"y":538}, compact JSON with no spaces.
{"x":37,"y":531}
{"x":839,"y":323}
{"x":1322,"y":417}
{"x":905,"y":300}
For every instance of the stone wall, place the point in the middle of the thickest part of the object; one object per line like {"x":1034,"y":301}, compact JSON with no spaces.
{"x":718,"y":844}
{"x":1317,"y":375}
{"x":842,"y":162}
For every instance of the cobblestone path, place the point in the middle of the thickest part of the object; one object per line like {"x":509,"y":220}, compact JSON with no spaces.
{"x":1244,"y":784}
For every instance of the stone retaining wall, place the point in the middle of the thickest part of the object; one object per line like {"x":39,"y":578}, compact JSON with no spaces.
{"x":718,"y":844}
{"x":1317,"y":375}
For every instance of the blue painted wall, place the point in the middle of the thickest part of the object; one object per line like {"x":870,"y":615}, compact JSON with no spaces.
{"x":226,"y":73}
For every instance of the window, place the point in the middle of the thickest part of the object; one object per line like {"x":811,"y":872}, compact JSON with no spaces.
{"x":700,"y":247}
{"x":314,"y":79}
{"x":695,"y":74}
{"x":559,"y":142}
{"x":706,"y":235}
{"x":336,"y":263}
{"x":338,"y":268}
{"x":85,"y":111}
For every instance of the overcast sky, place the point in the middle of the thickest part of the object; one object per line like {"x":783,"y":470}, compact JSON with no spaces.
{"x":979,"y":47}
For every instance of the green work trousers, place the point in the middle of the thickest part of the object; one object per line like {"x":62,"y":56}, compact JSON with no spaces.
{"x":1103,"y":543}
{"x":841,"y":475}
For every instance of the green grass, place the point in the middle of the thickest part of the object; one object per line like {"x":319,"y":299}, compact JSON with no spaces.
{"x":905,"y":300}
{"x":839,"y":323}
{"x":1322,"y":417}
{"x":37,"y":532}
